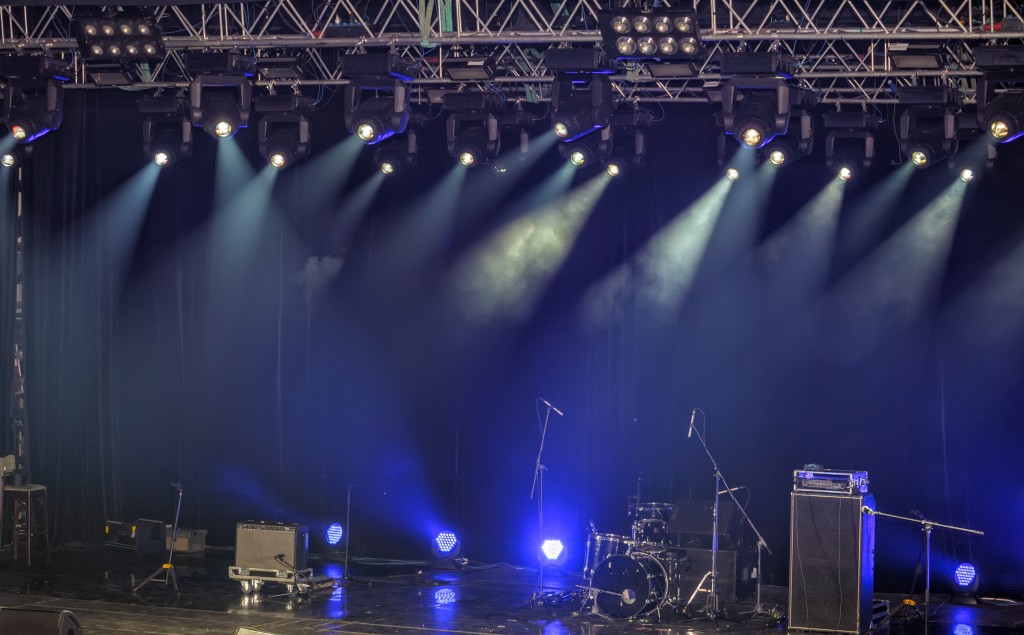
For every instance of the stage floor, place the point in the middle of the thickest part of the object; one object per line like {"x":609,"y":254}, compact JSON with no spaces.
{"x":385,"y":597}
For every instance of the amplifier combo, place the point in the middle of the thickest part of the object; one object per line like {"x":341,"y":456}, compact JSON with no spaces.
{"x":271,"y":545}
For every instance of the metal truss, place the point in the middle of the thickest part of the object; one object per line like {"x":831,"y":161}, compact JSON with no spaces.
{"x":841,"y":48}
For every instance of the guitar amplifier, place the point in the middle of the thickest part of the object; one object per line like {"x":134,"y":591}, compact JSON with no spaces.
{"x":271,"y":545}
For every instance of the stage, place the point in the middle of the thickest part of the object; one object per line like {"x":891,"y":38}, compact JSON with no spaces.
{"x":387,"y":596}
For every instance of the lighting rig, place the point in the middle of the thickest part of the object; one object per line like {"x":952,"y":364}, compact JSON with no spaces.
{"x":283,"y":128}
{"x":166,"y":129}
{"x":117,"y":46}
{"x":33,"y":99}
{"x":1000,"y":91}
{"x":758,"y":99}
{"x":976,"y":151}
{"x":650,"y":33}
{"x":377,"y":95}
{"x":630,"y":131}
{"x":927,"y":124}
{"x":850,"y":143}
{"x":581,"y":93}
{"x":220,"y":96}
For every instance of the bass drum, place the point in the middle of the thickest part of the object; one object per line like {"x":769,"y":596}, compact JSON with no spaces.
{"x":629,"y":585}
{"x":599,"y":547}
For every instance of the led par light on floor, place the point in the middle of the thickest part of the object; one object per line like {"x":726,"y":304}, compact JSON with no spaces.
{"x":552,"y":553}
{"x":650,"y":33}
{"x":446,"y":548}
{"x":964,"y":578}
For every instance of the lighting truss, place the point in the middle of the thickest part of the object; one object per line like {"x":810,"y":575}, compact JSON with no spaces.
{"x":840,"y":49}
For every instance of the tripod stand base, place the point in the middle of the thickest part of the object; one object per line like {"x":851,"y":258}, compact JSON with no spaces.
{"x":170,"y":576}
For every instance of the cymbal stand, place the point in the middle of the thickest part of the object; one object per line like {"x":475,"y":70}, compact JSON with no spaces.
{"x":538,"y":489}
{"x":926,"y":527}
{"x":170,"y":576}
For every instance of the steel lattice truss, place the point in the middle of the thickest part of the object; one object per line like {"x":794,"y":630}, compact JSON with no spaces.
{"x":841,"y":47}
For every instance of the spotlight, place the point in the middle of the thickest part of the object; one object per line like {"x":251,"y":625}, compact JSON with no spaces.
{"x":673,"y":33}
{"x":965,"y":583}
{"x":927,"y":130}
{"x":613,"y":168}
{"x":471,"y":129}
{"x":796,"y":143}
{"x":446,"y":545}
{"x":756,"y":109}
{"x":220,"y":104}
{"x":284,"y":133}
{"x":580,"y":104}
{"x":732,"y":173}
{"x":589,"y":149}
{"x":850,"y":143}
{"x":10,"y":159}
{"x":33,"y":99}
{"x":967,"y":175}
{"x":396,"y":153}
{"x":334,"y":534}
{"x":166,"y":131}
{"x":1003,"y":117}
{"x":385,"y":77}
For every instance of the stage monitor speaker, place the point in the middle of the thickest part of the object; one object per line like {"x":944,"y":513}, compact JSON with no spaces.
{"x":259,"y":543}
{"x":689,"y":572}
{"x":34,"y":621}
{"x":831,"y":563}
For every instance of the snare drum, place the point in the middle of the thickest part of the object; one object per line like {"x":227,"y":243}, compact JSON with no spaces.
{"x":601,"y":546}
{"x":648,"y":534}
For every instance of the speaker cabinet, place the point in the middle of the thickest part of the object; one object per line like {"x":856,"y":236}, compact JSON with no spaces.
{"x":259,"y":543}
{"x":831,"y":562}
{"x":29,"y":621}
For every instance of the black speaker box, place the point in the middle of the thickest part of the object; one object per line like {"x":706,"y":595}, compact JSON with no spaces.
{"x":831,"y":562}
{"x":29,"y":621}
{"x":690,"y":570}
{"x":258,"y":543}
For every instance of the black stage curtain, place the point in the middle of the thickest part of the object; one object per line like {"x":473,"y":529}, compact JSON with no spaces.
{"x":8,"y":267}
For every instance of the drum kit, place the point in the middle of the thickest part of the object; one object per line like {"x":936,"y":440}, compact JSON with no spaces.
{"x":633,"y":576}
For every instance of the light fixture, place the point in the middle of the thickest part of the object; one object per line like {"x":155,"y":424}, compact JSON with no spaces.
{"x":446,"y":545}
{"x":732,"y":174}
{"x":377,"y":97}
{"x":1000,"y":90}
{"x":284,"y":135}
{"x":849,"y":144}
{"x":1003,"y":117}
{"x":796,"y":143}
{"x":581,"y":93}
{"x":10,"y":159}
{"x":397,"y":153}
{"x":976,"y":151}
{"x":630,"y":130}
{"x":470,"y":69}
{"x":552,"y":553}
{"x":220,"y":96}
{"x":166,"y":130}
{"x":913,"y":56}
{"x":589,"y":149}
{"x":651,"y":33}
{"x":113,"y":44}
{"x":964,"y":578}
{"x":471,"y":130}
{"x":756,"y":109}
{"x":334,"y":534}
{"x":33,"y":99}
{"x":927,"y":124}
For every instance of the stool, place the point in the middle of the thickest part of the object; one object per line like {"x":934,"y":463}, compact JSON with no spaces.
{"x":29,"y":517}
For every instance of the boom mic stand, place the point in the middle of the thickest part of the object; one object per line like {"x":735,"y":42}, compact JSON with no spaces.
{"x":711,"y":607}
{"x":761,"y":544}
{"x":926,"y":527}
{"x":167,"y":568}
{"x":538,"y":485}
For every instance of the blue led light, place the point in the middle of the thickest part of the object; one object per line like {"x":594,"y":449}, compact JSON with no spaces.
{"x":444,"y":596}
{"x":445,"y":542}
{"x":965,"y":574}
{"x":552,"y":549}
{"x":963,"y":629}
{"x":334,"y":533}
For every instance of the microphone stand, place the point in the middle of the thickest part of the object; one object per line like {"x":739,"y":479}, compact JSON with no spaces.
{"x":538,"y":489}
{"x":761,"y":544}
{"x":926,"y":527}
{"x":711,"y":608}
{"x":170,"y":575}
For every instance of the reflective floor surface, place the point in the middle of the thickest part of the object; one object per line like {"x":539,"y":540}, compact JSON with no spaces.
{"x":397,"y":597}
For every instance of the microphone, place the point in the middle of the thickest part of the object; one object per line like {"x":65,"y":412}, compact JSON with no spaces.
{"x":867,"y":510}
{"x":693,"y":417}
{"x":548,"y":404}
